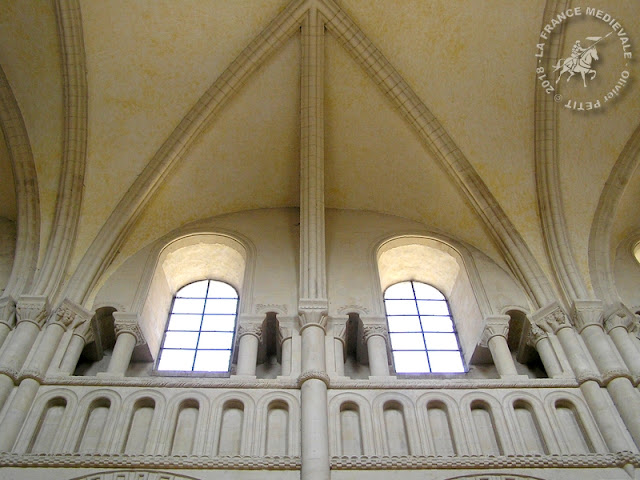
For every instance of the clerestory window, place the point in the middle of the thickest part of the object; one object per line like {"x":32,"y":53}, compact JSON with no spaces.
{"x":200,"y":330}
{"x":421,"y":329}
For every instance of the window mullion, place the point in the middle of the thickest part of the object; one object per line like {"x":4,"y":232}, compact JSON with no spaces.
{"x":204,"y":308}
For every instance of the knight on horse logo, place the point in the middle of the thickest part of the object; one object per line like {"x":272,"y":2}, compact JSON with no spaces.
{"x":580,"y":60}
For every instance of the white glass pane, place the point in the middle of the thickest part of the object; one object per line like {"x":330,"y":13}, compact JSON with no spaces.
{"x":400,"y":307}
{"x":194,"y":290}
{"x":410,"y":362}
{"x":215,"y":340}
{"x":399,"y":290}
{"x":433,"y":307}
{"x":446,"y":362}
{"x":212,"y":361}
{"x":187,"y":305}
{"x":184,"y":322}
{"x":424,"y":291}
{"x":437,"y":324}
{"x":404,"y":324}
{"x":180,"y":340}
{"x":226,"y":323}
{"x":221,"y":290}
{"x":406,"y":341}
{"x":441,"y":341}
{"x":221,"y":306}
{"x":176,"y":360}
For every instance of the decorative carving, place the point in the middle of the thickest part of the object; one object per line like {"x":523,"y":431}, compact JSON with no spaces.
{"x":496,"y":325}
{"x":32,"y":309}
{"x":535,"y":334}
{"x":346,"y":309}
{"x":588,"y":376}
{"x":587,"y":313}
{"x":254,"y":329}
{"x":618,"y":319}
{"x":284,"y":333}
{"x":610,"y":375}
{"x":271,"y":307}
{"x":340,"y":333}
{"x":375,"y":330}
{"x":313,"y":317}
{"x":85,"y":331}
{"x":8,"y":311}
{"x":128,"y":323}
{"x":311,"y":374}
{"x":550,"y":318}
{"x":69,"y":315}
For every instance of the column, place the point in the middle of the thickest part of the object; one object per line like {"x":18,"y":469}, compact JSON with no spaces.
{"x":618,"y":327}
{"x":539,"y":340}
{"x":285,"y":335}
{"x":82,"y":335}
{"x":494,"y":336}
{"x":553,"y":319}
{"x":375,"y":337}
{"x":249,"y":335}
{"x":588,"y":318}
{"x":128,"y":336}
{"x":338,"y":350}
{"x":31,"y":314}
{"x":7,"y":317}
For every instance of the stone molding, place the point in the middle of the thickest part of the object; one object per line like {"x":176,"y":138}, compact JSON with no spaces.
{"x":347,"y":309}
{"x":314,"y":374}
{"x":495,"y":325}
{"x":610,"y":375}
{"x":34,"y":309}
{"x":587,"y":313}
{"x":128,"y":323}
{"x":588,"y":376}
{"x":618,"y":320}
{"x":550,"y":318}
{"x":70,"y":315}
{"x":264,"y":308}
{"x":8,"y":311}
{"x":535,"y":334}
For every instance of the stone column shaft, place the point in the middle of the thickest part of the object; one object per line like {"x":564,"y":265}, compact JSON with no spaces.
{"x":286,"y":356}
{"x":338,"y":348}
{"x":618,"y":328}
{"x":376,"y":338}
{"x":495,"y":338}
{"x":122,"y":351}
{"x":7,"y":317}
{"x":539,"y":340}
{"x":41,"y":361}
{"x":17,"y":413}
{"x":247,"y":354}
{"x":4,"y":332}
{"x":72,"y":355}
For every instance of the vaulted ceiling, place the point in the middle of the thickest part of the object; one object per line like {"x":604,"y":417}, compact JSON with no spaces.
{"x":470,"y":62}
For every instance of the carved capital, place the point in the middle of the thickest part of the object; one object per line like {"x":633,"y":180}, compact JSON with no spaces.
{"x":34,"y":309}
{"x":313,"y":374}
{"x":587,"y":313}
{"x":610,"y":375}
{"x":375,"y":331}
{"x":495,"y":326}
{"x":128,"y":323}
{"x":618,"y":315}
{"x":8,"y":311}
{"x":535,"y":334}
{"x":313,"y":317}
{"x":254,"y":329}
{"x":85,"y":331}
{"x":550,"y":318}
{"x":284,"y":333}
{"x":70,"y":315}
{"x":340,"y":333}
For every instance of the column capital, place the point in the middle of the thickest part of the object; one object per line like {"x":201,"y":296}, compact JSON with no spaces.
{"x":375,"y":331}
{"x":309,"y":317}
{"x":254,"y":329}
{"x":551,"y":318}
{"x":340,"y":333}
{"x":587,"y":313}
{"x":535,"y":334}
{"x":69,"y":315}
{"x":284,"y":333}
{"x":8,"y":311}
{"x":495,"y":325}
{"x":618,"y":315}
{"x":32,"y":308}
{"x":128,"y":323}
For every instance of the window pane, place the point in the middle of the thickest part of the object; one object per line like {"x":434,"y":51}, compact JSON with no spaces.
{"x":187,"y":305}
{"x":441,"y":341}
{"x":433,"y":307}
{"x":221,"y":290}
{"x":212,"y":361}
{"x":404,"y":324}
{"x":225,"y":323}
{"x":411,"y":362}
{"x":221,"y":306}
{"x":406,"y":341}
{"x":176,"y":360}
{"x":215,"y":340}
{"x":437,"y":324}
{"x":401,"y":307}
{"x":446,"y":362}
{"x":180,"y":340}
{"x":424,"y":291}
{"x":399,"y":290}
{"x":194,"y":290}
{"x":184,"y":322}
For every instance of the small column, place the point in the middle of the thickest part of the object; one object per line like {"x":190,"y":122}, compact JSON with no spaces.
{"x":338,"y":350}
{"x":249,"y":338}
{"x":285,"y":336}
{"x":82,"y":335}
{"x":494,"y":336}
{"x":31,"y":314}
{"x":17,"y":411}
{"x":128,"y":336}
{"x":618,"y":326}
{"x":7,"y":317}
{"x":375,"y":337}
{"x":539,"y":340}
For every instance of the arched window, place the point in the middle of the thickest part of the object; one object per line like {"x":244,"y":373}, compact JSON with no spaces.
{"x":422,"y":332}
{"x":199,"y":333}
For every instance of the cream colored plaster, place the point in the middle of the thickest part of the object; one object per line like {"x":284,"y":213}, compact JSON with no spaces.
{"x":247,"y":158}
{"x":8,"y":207}
{"x":374,"y":160}
{"x":30,"y":56}
{"x":589,"y":144}
{"x":472,"y":64}
{"x":148,"y":62}
{"x":627,"y":220}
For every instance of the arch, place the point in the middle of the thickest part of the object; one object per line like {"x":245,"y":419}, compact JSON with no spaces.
{"x":263,"y":409}
{"x":537,"y":409}
{"x":84,"y":411}
{"x":443,"y":431}
{"x":147,"y":399}
{"x":235,"y":400}
{"x":395,"y":411}
{"x":363,"y":407}
{"x":192,"y":399}
{"x":483,"y":416}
